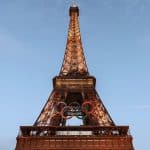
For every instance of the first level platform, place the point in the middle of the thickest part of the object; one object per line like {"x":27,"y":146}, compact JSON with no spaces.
{"x":74,"y":138}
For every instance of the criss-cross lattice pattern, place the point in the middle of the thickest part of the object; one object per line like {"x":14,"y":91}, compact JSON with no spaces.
{"x":58,"y":109}
{"x":74,"y":96}
{"x":81,"y":101}
{"x":74,"y":60}
{"x":48,"y":112}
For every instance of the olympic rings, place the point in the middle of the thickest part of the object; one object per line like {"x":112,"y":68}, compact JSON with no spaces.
{"x":59,"y":106}
{"x":87,"y":107}
{"x":74,"y":109}
{"x":65,"y":111}
{"x":75,"y":106}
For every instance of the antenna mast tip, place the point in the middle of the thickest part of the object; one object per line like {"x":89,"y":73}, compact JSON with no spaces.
{"x":74,"y":3}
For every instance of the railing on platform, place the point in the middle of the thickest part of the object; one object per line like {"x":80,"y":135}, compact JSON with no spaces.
{"x":74,"y":130}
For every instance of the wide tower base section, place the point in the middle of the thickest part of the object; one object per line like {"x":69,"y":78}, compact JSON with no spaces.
{"x":74,"y":138}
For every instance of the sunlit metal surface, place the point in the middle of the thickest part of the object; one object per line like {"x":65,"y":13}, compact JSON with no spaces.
{"x":74,"y":60}
{"x":74,"y":96}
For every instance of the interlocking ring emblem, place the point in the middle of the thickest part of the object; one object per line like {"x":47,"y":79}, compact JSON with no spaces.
{"x":88,"y":107}
{"x":74,"y":109}
{"x":59,"y":106}
{"x":66,"y":112}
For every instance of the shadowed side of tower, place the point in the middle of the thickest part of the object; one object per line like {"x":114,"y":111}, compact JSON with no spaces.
{"x":74,"y":95}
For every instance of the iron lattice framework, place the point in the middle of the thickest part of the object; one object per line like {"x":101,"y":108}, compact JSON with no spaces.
{"x":74,"y":95}
{"x":63,"y":103}
{"x":74,"y":60}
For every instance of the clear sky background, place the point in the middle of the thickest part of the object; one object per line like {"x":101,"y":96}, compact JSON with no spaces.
{"x":116,"y":41}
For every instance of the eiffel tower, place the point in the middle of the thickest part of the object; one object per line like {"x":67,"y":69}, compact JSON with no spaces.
{"x":74,"y":95}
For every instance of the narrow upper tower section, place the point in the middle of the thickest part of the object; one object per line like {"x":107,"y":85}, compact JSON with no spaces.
{"x":74,"y":64}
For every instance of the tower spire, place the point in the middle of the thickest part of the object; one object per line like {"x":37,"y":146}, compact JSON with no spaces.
{"x":74,"y":3}
{"x":74,"y":63}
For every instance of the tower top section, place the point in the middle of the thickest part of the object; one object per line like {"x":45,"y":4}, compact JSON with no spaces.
{"x":74,"y":9}
{"x":74,"y":63}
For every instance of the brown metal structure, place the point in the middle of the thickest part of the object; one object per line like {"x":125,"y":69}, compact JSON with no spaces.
{"x":74,"y":95}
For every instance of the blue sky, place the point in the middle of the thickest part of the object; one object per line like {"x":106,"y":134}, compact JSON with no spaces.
{"x":116,"y":41}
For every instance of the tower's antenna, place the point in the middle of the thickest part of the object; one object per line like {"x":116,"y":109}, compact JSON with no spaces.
{"x":74,"y":3}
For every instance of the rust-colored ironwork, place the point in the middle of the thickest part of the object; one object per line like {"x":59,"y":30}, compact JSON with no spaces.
{"x":74,"y":138}
{"x":68,"y":91}
{"x":74,"y":60}
{"x":74,"y":95}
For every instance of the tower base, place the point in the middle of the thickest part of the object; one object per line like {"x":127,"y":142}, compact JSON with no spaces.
{"x":74,"y":138}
